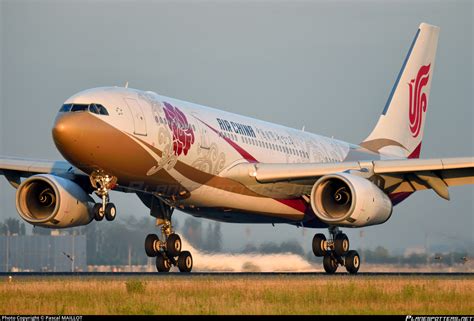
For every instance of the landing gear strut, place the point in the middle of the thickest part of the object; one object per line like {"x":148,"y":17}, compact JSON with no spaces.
{"x":336,"y":251}
{"x":166,"y":249}
{"x":103,"y":183}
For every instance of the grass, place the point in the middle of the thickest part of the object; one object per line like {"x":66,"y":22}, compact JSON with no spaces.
{"x":238,"y":295}
{"x":135,"y":286}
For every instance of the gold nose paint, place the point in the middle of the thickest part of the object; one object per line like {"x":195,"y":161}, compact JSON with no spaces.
{"x":69,"y":128}
{"x":90,"y":143}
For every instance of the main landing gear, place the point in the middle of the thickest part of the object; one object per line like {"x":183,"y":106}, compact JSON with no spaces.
{"x":167,"y":250}
{"x":335,"y":252}
{"x":103,"y":183}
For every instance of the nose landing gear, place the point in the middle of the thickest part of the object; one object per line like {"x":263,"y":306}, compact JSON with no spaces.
{"x":336,"y":252}
{"x":103,"y":183}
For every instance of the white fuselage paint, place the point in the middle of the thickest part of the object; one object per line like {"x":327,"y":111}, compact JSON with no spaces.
{"x":221,"y":140}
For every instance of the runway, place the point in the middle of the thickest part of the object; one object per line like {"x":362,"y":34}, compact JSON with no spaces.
{"x":230,"y":274}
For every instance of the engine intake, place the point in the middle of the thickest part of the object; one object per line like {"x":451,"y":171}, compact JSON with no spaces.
{"x":52,"y":201}
{"x":344,"y":199}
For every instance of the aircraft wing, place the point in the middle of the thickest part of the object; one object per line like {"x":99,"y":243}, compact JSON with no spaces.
{"x":394,"y":176}
{"x":15,"y":168}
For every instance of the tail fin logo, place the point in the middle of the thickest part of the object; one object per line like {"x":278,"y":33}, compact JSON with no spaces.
{"x":418,"y":99}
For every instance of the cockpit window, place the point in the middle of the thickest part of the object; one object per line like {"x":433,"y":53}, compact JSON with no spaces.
{"x":98,"y":109}
{"x":102,"y":110}
{"x":93,"y":108}
{"x":65,"y":108}
{"x":79,"y":107}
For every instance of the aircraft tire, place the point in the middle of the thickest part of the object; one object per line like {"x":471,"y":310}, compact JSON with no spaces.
{"x":185,"y":262}
{"x":110,"y":212}
{"x":352,"y":262}
{"x":149,"y":245}
{"x":162,"y":263}
{"x":341,"y":244}
{"x":319,"y":241}
{"x":98,"y":213}
{"x":173,"y":245}
{"x":330,"y":264}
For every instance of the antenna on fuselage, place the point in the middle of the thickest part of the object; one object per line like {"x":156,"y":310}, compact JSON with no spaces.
{"x":126,"y":85}
{"x":302,"y":129}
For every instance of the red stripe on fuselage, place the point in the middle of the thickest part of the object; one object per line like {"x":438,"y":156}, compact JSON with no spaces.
{"x":249,"y":158}
{"x":297,"y":204}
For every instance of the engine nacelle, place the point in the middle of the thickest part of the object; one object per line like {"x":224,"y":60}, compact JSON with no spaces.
{"x":54,"y":202}
{"x":343,"y":199}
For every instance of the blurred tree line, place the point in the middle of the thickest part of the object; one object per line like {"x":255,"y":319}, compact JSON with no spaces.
{"x":115,"y":243}
{"x":381,"y":255}
{"x":12,"y":226}
{"x":123,"y":240}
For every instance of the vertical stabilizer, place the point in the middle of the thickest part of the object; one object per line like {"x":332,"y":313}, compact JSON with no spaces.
{"x":399,"y":130}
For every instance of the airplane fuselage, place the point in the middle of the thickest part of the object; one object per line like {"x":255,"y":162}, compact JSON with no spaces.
{"x":181,"y":152}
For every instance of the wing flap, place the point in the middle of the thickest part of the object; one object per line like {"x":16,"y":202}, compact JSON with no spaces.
{"x":267,"y":173}
{"x":457,"y":177}
{"x":418,"y":165}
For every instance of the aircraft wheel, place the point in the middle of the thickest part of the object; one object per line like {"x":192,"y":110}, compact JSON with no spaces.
{"x":98,"y":212}
{"x":319,"y":242}
{"x":341,"y":244}
{"x":110,"y":211}
{"x":173,"y":245}
{"x":352,"y":262}
{"x":162,"y":263}
{"x":185,"y":262}
{"x":330,"y":264}
{"x":150,"y":244}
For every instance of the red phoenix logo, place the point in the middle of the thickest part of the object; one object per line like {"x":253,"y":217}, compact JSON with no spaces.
{"x":183,"y":135}
{"x":418,"y":99}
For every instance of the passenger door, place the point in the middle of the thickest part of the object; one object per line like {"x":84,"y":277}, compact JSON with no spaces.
{"x":203,"y":135}
{"x":139,"y":121}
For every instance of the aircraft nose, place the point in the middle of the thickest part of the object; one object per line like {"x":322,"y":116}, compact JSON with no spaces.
{"x":65,"y":130}
{"x":70,"y":136}
{"x":84,"y":140}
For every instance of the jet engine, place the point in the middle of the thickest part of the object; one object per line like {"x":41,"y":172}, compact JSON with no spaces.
{"x":54,"y":202}
{"x":348,"y":200}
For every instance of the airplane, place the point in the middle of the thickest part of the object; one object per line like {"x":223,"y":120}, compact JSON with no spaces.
{"x":222,"y":166}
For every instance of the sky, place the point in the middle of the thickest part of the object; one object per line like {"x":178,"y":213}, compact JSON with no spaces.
{"x":325,"y":65}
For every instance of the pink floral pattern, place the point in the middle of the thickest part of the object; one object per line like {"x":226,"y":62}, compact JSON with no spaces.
{"x":183,"y":135}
